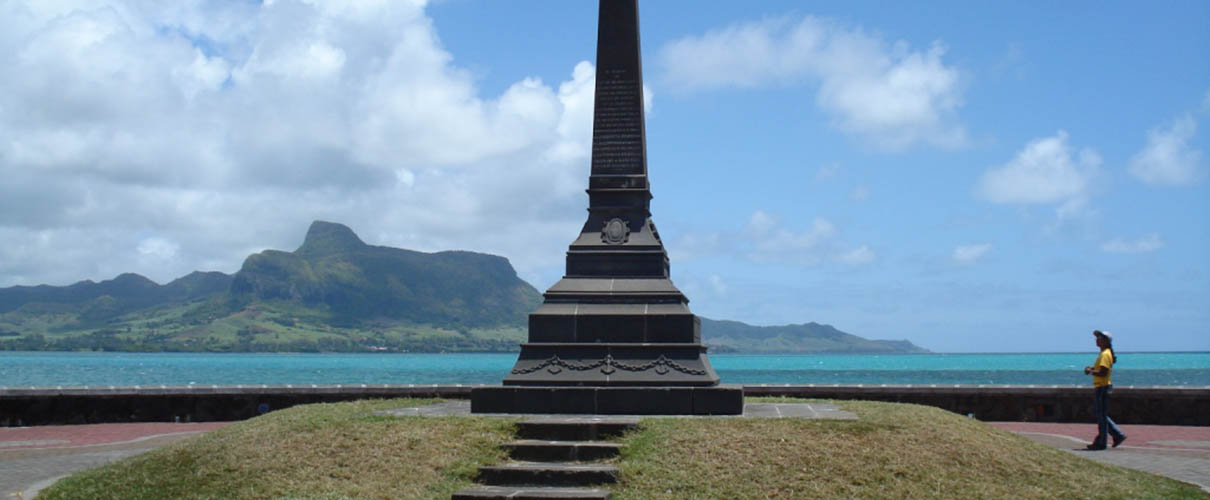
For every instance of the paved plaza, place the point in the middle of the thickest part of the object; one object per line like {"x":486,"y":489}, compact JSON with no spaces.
{"x":32,"y":458}
{"x":1179,"y":452}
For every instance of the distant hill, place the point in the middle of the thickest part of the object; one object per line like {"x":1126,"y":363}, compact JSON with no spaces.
{"x":734,"y":336}
{"x":125,"y":293}
{"x":334,"y":293}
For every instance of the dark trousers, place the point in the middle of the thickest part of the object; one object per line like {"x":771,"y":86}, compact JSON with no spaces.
{"x":1100,"y":409}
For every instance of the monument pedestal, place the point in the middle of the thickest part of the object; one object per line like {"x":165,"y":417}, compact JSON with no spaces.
{"x":614,"y":336}
{"x":621,"y":400}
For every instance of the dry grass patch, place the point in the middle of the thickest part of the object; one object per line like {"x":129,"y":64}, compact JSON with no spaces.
{"x":892,"y":451}
{"x":326,"y":451}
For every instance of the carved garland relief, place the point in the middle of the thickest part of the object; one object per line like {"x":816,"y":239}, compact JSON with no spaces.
{"x":661,"y":366}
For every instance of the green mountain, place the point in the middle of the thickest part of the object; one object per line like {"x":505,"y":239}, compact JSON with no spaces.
{"x":336,"y":272}
{"x":733,"y":336}
{"x":335,"y":293}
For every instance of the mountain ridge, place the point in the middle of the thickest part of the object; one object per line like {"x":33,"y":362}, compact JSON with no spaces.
{"x":334,"y":292}
{"x":811,"y":337}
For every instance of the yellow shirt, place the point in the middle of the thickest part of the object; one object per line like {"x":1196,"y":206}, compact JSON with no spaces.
{"x":1106,"y":360}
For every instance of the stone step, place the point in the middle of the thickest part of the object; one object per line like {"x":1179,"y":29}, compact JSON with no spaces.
{"x":547,"y":474}
{"x":575,"y":428}
{"x":561,"y":451}
{"x":530,"y":493}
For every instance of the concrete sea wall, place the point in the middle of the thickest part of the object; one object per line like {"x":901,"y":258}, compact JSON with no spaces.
{"x":1127,"y":405}
{"x":80,"y":405}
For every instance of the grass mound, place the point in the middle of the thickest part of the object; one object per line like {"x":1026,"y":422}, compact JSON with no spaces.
{"x":893,"y":451}
{"x":324,"y":451}
{"x":343,"y":451}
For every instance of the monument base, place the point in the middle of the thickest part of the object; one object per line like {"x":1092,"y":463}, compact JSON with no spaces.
{"x":716,"y":400}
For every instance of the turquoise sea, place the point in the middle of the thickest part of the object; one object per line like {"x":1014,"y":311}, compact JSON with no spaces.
{"x":24,"y":369}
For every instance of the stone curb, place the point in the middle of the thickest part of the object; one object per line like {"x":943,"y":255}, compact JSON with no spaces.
{"x":1052,"y":403}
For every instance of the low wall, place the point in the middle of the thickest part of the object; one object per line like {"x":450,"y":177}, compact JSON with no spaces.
{"x":87,"y":405}
{"x":1127,"y":405}
{"x":81,"y":405}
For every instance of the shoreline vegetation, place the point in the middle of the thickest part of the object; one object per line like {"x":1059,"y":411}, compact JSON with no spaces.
{"x":335,"y":293}
{"x":291,"y":335}
{"x":346,"y":450}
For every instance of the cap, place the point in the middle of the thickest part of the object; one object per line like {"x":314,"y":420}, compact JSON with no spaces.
{"x":1108,"y":336}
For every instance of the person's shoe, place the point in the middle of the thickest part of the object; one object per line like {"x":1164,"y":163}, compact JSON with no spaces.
{"x":1095,"y":447}
{"x":1117,"y":441}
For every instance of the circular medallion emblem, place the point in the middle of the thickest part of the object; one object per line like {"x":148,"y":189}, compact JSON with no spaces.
{"x":615,"y":232}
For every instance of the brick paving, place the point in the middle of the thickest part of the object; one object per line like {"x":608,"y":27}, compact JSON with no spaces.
{"x":32,"y":458}
{"x":51,"y":436}
{"x":1178,"y":452}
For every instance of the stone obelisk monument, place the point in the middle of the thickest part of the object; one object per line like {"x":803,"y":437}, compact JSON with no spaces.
{"x":614,"y":336}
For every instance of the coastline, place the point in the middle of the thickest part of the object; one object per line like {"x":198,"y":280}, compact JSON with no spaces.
{"x":77,"y":369}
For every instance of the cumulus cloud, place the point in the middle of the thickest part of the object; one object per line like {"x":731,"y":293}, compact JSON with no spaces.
{"x":761,"y":223}
{"x":771,"y":237}
{"x":163,"y":137}
{"x":1046,"y":171}
{"x":967,"y":255}
{"x":1168,"y":159}
{"x":887,"y":93}
{"x":767,"y":240}
{"x":1149,"y":243}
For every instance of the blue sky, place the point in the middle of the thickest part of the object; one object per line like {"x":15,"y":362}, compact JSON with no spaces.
{"x":971,"y":176}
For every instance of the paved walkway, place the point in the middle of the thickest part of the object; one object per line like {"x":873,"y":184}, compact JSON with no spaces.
{"x":1178,"y":452}
{"x":32,"y":458}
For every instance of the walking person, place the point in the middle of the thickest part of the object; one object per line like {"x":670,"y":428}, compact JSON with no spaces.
{"x":1102,"y":385}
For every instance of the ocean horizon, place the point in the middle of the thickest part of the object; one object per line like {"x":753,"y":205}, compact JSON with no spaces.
{"x":76,"y":369}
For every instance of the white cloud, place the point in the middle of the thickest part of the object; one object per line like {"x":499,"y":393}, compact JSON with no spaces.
{"x":766,"y":240}
{"x":858,"y":256}
{"x":1044,"y":172}
{"x":224,"y":129}
{"x":1168,"y":159}
{"x":967,"y":255}
{"x":886,"y":93}
{"x":1071,"y":210}
{"x":761,"y":223}
{"x":770,"y":237}
{"x":1149,"y":243}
